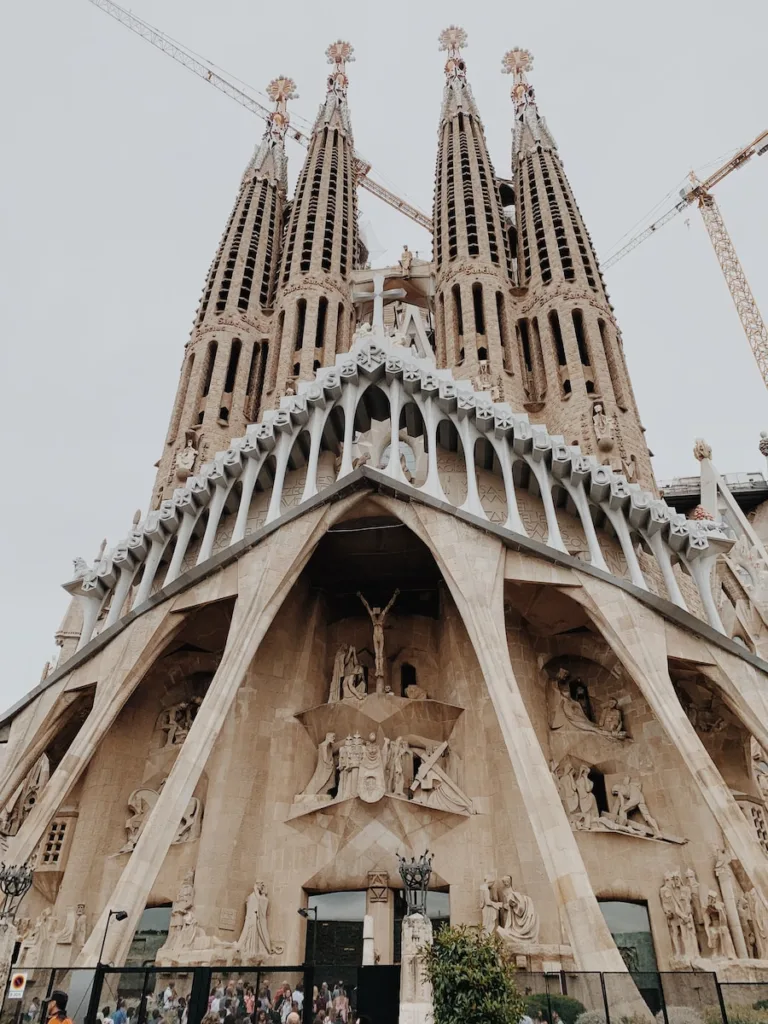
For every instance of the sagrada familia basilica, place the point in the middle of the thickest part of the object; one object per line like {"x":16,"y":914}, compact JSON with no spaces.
{"x":406,"y":583}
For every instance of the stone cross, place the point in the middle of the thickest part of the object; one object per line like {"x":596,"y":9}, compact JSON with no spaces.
{"x":379,"y":294}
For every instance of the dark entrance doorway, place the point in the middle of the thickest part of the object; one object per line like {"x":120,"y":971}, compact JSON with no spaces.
{"x":378,"y":994}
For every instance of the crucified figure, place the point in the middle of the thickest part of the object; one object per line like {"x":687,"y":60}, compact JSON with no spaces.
{"x":377,"y":618}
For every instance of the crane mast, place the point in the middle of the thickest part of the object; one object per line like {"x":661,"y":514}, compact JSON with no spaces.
{"x":733,"y":272}
{"x":187,"y":60}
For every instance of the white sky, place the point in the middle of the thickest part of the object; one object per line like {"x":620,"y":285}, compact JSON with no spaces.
{"x":119,"y":170}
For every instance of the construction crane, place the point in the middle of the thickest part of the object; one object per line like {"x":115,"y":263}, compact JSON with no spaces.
{"x":700,"y":193}
{"x":188,"y":60}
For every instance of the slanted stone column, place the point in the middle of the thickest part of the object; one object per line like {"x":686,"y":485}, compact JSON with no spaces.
{"x":415,"y":991}
{"x":124,"y":663}
{"x":637,"y":637}
{"x":265,"y":575}
{"x":473,"y":567}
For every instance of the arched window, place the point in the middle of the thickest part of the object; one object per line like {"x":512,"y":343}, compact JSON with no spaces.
{"x":477,"y":302}
{"x":212,"y":349}
{"x":301,"y":316}
{"x":322,"y":313}
{"x":234,"y":356}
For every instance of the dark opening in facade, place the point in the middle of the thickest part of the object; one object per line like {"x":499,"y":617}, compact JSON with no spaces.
{"x":322,"y":314}
{"x":477,"y":300}
{"x":234,"y":357}
{"x":581,"y":336}
{"x":557,"y":336}
{"x":301,"y":317}
{"x":407,"y":676}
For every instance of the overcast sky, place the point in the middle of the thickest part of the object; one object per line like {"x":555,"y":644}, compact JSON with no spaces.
{"x":119,"y":170}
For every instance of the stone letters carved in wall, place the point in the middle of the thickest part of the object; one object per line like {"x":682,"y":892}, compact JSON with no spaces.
{"x":510,"y":914}
{"x":140,"y":803}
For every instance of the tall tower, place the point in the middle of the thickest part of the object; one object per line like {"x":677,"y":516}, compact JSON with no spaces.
{"x":576,"y":380}
{"x":471,"y":250}
{"x":222,"y":376}
{"x":314,"y":306}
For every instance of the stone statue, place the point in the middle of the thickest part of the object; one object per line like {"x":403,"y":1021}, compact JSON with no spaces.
{"x":324,"y":779}
{"x":254,"y":943}
{"x":140,"y":803}
{"x":611,"y":719}
{"x":752,"y":911}
{"x":701,"y":450}
{"x":353,"y":680}
{"x":671,"y":912}
{"x":185,"y":457}
{"x":338,"y":673}
{"x":415,"y":692}
{"x":415,"y":990}
{"x":406,"y":261}
{"x":80,"y":568}
{"x":716,"y":928}
{"x":378,"y":617}
{"x":185,"y":900}
{"x":25,"y":797}
{"x":629,"y":800}
{"x":564,"y":711}
{"x":395,"y":768}
{"x":434,"y":787}
{"x":677,"y":903}
{"x":371,"y":784}
{"x":38,"y":944}
{"x":177,"y":720}
{"x":520,"y":922}
{"x":73,"y":932}
{"x":589,"y":813}
{"x":489,"y":907}
{"x":569,"y":792}
{"x":603,"y":428}
{"x":191,"y":822}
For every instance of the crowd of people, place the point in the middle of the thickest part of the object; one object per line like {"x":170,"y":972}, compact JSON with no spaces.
{"x":237,"y":1001}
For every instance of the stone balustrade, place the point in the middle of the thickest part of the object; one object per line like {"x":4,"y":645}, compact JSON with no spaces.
{"x":157,"y":549}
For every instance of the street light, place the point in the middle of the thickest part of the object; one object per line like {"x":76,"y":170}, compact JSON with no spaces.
{"x":305,"y":912}
{"x":15,"y":883}
{"x":119,"y":915}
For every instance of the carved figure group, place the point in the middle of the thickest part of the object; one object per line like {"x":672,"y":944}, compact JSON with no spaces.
{"x":142,"y":801}
{"x":629,"y":812}
{"x":509,"y":913}
{"x":254,"y":943}
{"x":405,"y":767}
{"x":25,"y":797}
{"x":348,"y":680}
{"x":566,"y":711}
{"x":707,"y":924}
{"x":177,"y":720}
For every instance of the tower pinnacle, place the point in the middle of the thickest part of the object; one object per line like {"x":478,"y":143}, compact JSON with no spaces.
{"x":458,"y":94}
{"x":272,"y":146}
{"x":517,"y":62}
{"x":339,"y":54}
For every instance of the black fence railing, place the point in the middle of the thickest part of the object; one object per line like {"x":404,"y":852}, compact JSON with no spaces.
{"x":153,"y":995}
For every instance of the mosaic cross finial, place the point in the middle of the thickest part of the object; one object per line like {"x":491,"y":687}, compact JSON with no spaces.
{"x":340,"y":53}
{"x":280,"y":90}
{"x":517,"y":62}
{"x":452,"y":39}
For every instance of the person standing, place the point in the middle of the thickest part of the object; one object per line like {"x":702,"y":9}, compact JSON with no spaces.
{"x":57,"y":1008}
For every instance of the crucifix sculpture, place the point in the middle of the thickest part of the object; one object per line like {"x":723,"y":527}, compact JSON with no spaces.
{"x":378,"y":617}
{"x":378,"y":295}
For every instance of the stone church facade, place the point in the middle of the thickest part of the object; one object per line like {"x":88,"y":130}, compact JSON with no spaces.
{"x":406,"y":583}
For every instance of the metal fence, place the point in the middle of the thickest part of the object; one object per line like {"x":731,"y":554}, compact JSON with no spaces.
{"x":153,"y":995}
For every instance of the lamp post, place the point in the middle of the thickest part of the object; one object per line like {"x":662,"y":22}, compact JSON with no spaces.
{"x":15,"y":883}
{"x":305,"y":912}
{"x":119,"y":915}
{"x":415,"y":875}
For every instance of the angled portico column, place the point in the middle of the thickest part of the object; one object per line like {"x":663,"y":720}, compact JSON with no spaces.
{"x":133,"y":653}
{"x":473,"y":567}
{"x":266,"y":574}
{"x":637,"y":637}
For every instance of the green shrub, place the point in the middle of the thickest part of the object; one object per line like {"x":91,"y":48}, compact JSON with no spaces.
{"x":472,"y":978}
{"x":568,"y":1009}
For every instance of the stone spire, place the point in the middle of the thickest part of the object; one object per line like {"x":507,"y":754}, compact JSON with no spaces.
{"x":222,"y":375}
{"x":570,"y":347}
{"x":472,"y":259}
{"x":314,"y":307}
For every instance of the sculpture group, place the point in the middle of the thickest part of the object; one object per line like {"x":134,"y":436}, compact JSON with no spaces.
{"x":187,"y":939}
{"x":707,"y":924}
{"x":570,"y":707}
{"x":407,"y":767}
{"x":508,"y":913}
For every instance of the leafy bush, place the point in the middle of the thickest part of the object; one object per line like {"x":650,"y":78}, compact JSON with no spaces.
{"x":567,"y":1009}
{"x":472,"y":978}
{"x":744,"y":1014}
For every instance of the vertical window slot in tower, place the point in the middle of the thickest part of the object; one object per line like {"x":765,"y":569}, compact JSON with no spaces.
{"x":581,"y":336}
{"x":614,"y":365}
{"x":322,"y":313}
{"x":301,"y":316}
{"x":234,"y":357}
{"x":212,"y":348}
{"x":557,"y":337}
{"x":477,"y":302}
